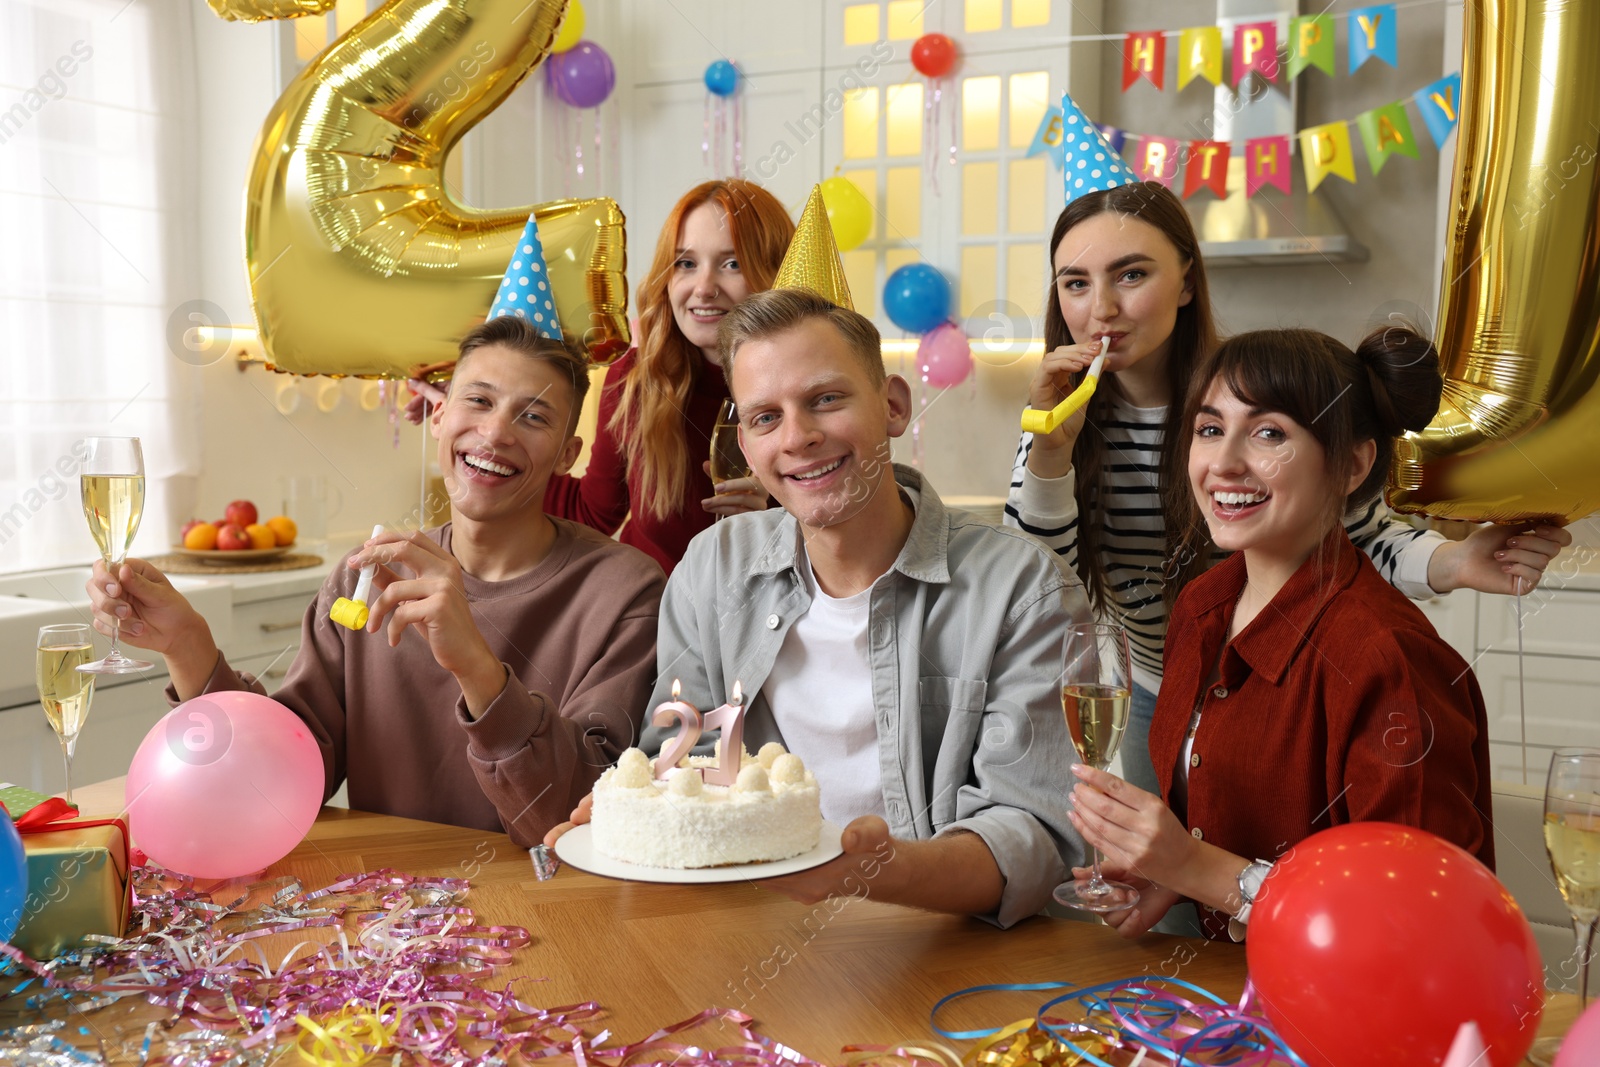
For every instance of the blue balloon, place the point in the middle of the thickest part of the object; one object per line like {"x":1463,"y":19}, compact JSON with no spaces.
{"x":13,"y":878}
{"x":722,"y":77}
{"x":917,"y":297}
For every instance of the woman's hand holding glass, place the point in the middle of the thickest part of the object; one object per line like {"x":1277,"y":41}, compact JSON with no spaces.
{"x":1135,"y":830}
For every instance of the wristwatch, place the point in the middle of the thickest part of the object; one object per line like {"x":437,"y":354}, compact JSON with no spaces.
{"x":1250,"y":882}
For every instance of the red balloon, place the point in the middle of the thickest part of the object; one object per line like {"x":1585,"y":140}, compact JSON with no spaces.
{"x":1372,"y":943}
{"x":934,"y":54}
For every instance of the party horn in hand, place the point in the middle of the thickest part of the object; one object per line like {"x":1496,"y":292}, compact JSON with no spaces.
{"x":352,"y":613}
{"x":1037,"y":421}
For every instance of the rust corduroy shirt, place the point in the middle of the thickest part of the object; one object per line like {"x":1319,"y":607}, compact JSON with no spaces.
{"x":1338,"y":703}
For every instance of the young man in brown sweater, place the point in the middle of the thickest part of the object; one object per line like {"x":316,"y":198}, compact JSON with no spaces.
{"x":504,"y":664}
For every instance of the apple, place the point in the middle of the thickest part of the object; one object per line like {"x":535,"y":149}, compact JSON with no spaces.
{"x":232,"y":537}
{"x":242,"y":513}
{"x":191,"y":524}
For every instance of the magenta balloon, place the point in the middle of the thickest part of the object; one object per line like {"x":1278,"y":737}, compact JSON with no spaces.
{"x":1581,"y":1046}
{"x":224,"y":785}
{"x":582,"y":76}
{"x":944,"y":356}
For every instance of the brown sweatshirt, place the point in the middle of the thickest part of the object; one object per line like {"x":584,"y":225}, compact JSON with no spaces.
{"x":578,"y":635}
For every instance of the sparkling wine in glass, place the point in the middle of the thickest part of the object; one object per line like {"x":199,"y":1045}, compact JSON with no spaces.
{"x":727,"y":458}
{"x":1572,"y":839}
{"x":65,"y":690}
{"x":113,"y":502}
{"x":1096,"y":696}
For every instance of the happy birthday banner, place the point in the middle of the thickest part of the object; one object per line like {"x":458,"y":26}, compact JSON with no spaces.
{"x":1255,"y":48}
{"x":1324,"y":149}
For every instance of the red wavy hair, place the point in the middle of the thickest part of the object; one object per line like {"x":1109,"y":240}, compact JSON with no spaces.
{"x":649,"y":415}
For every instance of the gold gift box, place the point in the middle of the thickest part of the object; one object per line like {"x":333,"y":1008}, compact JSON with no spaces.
{"x":77,"y":885}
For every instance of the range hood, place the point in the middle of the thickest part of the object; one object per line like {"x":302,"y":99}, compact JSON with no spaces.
{"x":1269,"y":229}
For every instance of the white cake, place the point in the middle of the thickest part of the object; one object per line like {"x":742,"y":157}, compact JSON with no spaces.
{"x":772,"y":812}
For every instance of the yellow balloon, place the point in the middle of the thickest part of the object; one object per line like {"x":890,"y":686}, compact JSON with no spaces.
{"x":848,"y":212}
{"x":1518,"y":433}
{"x":571,"y":28}
{"x":360,"y":260}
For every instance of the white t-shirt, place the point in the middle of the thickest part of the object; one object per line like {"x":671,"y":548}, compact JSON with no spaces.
{"x":820,"y":692}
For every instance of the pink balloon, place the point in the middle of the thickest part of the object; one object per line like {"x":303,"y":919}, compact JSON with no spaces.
{"x":1581,"y":1046}
{"x":944,"y":357}
{"x":224,"y":785}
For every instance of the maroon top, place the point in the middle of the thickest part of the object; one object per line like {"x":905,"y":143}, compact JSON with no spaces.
{"x":1339,"y":703}
{"x":604,"y":498}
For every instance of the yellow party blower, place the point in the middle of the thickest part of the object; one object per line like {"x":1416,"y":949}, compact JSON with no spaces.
{"x":1036,"y":421}
{"x":352,"y":613}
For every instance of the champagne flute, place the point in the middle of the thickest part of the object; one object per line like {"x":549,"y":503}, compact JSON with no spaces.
{"x":727,"y":458}
{"x":113,"y":502}
{"x":65,"y":689}
{"x":1096,"y":695}
{"x":1572,"y":840}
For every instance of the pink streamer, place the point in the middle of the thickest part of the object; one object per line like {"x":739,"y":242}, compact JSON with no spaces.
{"x":705,"y":136}
{"x":738,"y":136}
{"x":930,"y":132}
{"x":599,"y":172}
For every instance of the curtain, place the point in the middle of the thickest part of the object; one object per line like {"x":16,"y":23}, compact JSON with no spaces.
{"x":97,"y":255}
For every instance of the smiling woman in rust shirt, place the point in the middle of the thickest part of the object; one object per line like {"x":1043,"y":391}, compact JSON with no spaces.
{"x":1301,"y":690}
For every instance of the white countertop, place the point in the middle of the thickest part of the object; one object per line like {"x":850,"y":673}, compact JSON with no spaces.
{"x":42,"y":598}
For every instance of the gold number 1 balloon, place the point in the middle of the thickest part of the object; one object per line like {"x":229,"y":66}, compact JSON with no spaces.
{"x":1518,"y":434}
{"x":360,"y":260}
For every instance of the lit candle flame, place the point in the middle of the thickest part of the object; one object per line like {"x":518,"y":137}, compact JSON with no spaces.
{"x":676,"y":688}
{"x":738,"y":693}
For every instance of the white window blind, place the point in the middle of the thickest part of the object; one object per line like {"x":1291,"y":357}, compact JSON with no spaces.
{"x":96,"y":250}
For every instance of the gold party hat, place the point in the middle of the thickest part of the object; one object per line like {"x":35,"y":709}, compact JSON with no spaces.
{"x":812,"y":261}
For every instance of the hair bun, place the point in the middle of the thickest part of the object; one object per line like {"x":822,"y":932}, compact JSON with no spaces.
{"x":1403,"y":371}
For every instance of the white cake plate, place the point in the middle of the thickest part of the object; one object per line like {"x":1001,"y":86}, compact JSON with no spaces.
{"x":576,"y":847}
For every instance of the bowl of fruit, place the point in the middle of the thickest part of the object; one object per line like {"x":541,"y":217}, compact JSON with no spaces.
{"x":239,"y":535}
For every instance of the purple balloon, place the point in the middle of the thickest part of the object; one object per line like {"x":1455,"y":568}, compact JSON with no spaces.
{"x":944,"y":356}
{"x":582,"y":76}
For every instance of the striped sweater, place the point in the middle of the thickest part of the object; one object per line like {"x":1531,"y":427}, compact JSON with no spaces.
{"x":1133,"y":545}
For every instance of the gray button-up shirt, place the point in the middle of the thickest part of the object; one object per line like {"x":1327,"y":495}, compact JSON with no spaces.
{"x":965,"y":638}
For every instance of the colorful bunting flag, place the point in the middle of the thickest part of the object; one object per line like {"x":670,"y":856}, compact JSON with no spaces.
{"x":1144,"y":55}
{"x":1157,"y":160}
{"x":1372,"y":33}
{"x":1200,"y":52}
{"x":1310,"y":44}
{"x":1047,"y":138}
{"x":1384,"y":131}
{"x":1266,"y":162}
{"x":1114,"y":137}
{"x":1325,"y":150}
{"x":1206,"y":168}
{"x":1255,"y":47}
{"x":1440,"y":106}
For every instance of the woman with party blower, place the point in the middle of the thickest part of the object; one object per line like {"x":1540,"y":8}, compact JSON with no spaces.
{"x":1301,"y":690}
{"x":1129,"y":284}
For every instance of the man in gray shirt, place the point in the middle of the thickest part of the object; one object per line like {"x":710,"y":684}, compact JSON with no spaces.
{"x":938,"y":700}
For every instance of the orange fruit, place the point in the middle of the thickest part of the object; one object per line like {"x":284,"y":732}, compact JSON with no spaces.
{"x":202,"y":536}
{"x":283,"y":528}
{"x":260,"y":536}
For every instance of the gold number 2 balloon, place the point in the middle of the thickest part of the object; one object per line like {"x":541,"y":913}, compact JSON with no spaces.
{"x":360,"y":261}
{"x":1518,"y":434}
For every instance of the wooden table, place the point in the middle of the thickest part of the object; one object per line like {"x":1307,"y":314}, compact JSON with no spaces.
{"x":848,"y":971}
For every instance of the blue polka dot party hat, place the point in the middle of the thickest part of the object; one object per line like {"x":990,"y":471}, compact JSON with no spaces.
{"x":1088,"y":161}
{"x":525,"y":290}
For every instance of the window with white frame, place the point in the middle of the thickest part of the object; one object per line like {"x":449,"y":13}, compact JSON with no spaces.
{"x":94,"y":105}
{"x":984,"y":217}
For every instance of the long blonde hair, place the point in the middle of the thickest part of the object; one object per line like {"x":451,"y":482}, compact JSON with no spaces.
{"x":649,"y":415}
